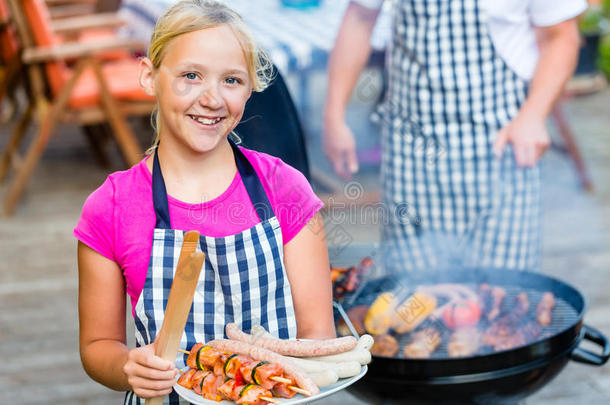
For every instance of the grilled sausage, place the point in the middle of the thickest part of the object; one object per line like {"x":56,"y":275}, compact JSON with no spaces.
{"x":543,"y":311}
{"x":365,"y":342}
{"x":298,"y":348}
{"x":324,"y":378}
{"x":358,"y":355}
{"x":343,"y":369}
{"x":262,"y":354}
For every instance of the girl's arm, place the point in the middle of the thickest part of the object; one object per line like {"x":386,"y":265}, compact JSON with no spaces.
{"x":306,"y":260}
{"x":103,"y":350}
{"x":558,"y":56}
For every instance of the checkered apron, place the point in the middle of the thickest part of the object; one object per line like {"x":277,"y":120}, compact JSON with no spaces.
{"x":243,"y":279}
{"x":449,"y":200}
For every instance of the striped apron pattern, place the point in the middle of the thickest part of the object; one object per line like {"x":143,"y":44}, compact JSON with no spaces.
{"x":243,"y":279}
{"x":449,"y":200}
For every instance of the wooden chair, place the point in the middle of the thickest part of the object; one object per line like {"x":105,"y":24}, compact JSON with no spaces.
{"x":88,"y":94}
{"x":10,"y":64}
{"x":59,"y":9}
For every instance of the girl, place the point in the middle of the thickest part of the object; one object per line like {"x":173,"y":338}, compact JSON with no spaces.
{"x":266,"y":259}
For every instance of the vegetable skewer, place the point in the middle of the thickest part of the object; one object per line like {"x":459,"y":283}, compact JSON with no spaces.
{"x":253,"y":372}
{"x":216,"y":388}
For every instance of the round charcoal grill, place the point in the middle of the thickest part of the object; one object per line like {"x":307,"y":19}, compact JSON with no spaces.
{"x":488,"y":377}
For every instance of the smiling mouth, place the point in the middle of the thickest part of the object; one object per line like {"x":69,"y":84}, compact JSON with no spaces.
{"x":206,"y":121}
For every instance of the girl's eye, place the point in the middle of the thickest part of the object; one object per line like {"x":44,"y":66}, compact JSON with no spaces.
{"x":232,"y":80}
{"x":191,"y":76}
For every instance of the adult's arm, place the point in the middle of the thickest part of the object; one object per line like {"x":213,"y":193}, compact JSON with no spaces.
{"x":348,"y":58}
{"x":306,"y":260}
{"x":103,"y":350}
{"x":527,"y":132}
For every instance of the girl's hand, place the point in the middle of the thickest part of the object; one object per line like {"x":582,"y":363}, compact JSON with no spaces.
{"x":340,"y":147}
{"x":149,"y":375}
{"x":529,"y":136}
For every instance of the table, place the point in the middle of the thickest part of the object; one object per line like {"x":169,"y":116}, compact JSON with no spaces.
{"x":297,"y":40}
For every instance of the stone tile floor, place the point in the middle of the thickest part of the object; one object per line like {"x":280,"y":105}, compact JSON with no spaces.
{"x":38,"y":273}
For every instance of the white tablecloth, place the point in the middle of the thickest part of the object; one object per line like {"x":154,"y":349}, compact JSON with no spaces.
{"x":297,"y":40}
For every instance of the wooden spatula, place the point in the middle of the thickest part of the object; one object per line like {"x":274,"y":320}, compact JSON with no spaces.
{"x":179,"y":302}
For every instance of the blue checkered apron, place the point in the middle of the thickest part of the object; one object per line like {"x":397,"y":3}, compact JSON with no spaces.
{"x":243,"y":278}
{"x":449,"y":200}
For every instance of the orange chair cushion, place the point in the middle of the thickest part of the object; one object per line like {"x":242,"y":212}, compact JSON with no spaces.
{"x":121,"y":78}
{"x":101,"y":35}
{"x":8,"y":39}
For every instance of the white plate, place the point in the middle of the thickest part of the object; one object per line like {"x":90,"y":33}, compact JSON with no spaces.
{"x":193,"y":398}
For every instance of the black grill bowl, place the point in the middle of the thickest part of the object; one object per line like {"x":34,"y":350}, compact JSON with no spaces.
{"x":494,"y":378}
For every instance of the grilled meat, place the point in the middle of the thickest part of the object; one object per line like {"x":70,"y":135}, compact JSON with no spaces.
{"x":504,"y":339}
{"x":356,"y":316}
{"x":464,"y":342}
{"x":543,"y":311}
{"x":385,"y":345}
{"x":521,"y":305}
{"x":491,"y":300}
{"x":424,"y":343}
{"x":346,"y":280}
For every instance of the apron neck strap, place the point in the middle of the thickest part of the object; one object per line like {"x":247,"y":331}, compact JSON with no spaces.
{"x":251,"y":181}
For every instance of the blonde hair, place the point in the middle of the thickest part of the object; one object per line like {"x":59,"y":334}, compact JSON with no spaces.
{"x":194,"y":15}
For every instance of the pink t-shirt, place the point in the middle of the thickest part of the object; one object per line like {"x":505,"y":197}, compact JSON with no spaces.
{"x":118,"y":218}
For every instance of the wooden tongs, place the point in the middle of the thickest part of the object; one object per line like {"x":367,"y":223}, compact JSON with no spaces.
{"x":179,"y":302}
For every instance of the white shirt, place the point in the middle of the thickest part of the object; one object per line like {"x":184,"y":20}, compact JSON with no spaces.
{"x":511,"y":26}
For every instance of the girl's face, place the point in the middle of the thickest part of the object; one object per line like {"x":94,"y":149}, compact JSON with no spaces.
{"x":201,"y":86}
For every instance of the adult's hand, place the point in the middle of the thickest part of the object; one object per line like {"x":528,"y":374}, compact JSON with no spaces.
{"x":528,"y":135}
{"x":149,"y":375}
{"x":340,"y":147}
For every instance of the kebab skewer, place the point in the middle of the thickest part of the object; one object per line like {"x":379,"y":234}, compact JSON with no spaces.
{"x":268,"y":375}
{"x":216,"y":388}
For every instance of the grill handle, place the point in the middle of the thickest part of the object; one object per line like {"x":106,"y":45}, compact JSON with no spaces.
{"x":585,"y":356}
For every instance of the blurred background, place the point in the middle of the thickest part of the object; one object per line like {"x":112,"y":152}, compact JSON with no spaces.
{"x":48,"y":173}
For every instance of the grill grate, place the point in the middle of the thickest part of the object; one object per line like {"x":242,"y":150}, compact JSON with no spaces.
{"x":563,"y":316}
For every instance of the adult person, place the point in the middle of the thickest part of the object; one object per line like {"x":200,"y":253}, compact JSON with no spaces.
{"x":261,"y":257}
{"x":469,"y":86}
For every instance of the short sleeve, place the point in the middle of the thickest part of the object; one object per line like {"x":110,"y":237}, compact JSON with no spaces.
{"x":295,"y":202}
{"x":95,"y":227}
{"x":372,"y":4}
{"x":544,"y":13}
